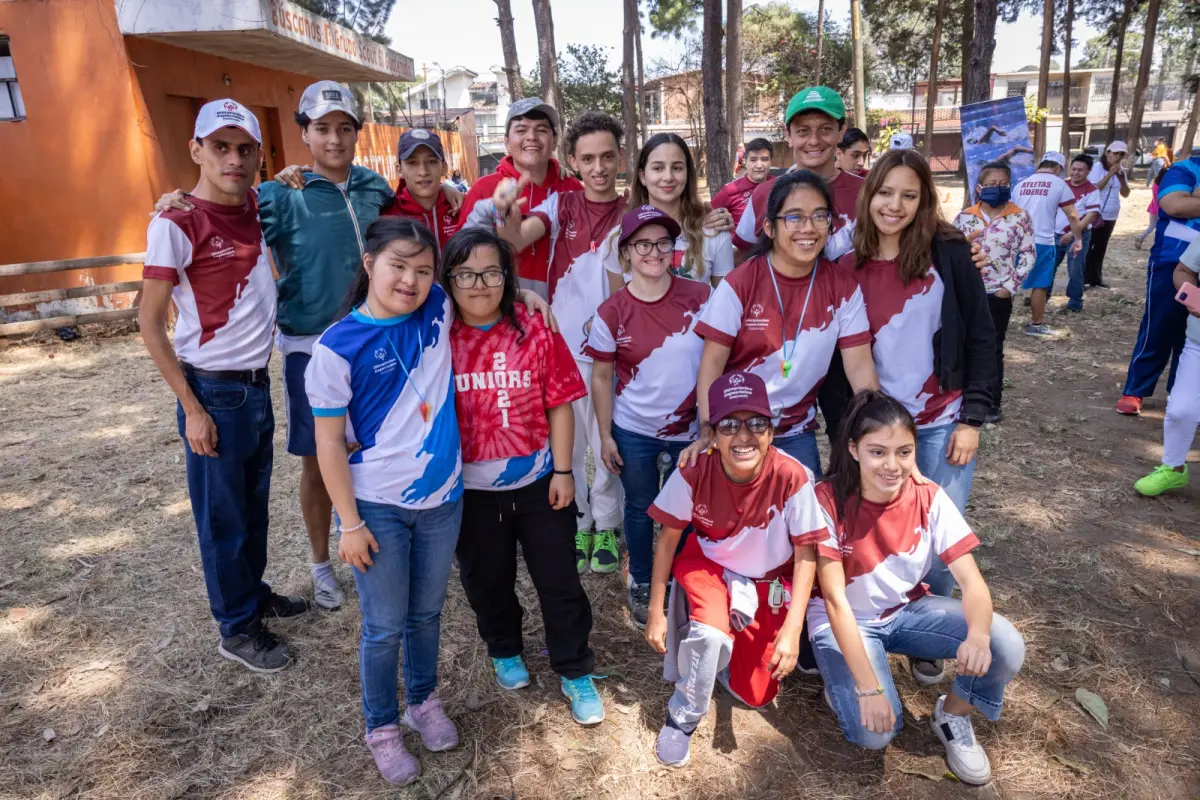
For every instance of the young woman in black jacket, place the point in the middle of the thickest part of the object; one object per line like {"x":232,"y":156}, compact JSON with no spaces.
{"x":932,"y":335}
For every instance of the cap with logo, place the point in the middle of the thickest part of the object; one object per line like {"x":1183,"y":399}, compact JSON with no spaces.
{"x":901,"y":141}
{"x":638,"y":218}
{"x":226,"y":114}
{"x":737,"y":391}
{"x":1054,"y":157}
{"x":419,"y":137}
{"x":326,"y":97}
{"x":815,"y":98}
{"x":527,"y":106}
{"x":1117,"y":147}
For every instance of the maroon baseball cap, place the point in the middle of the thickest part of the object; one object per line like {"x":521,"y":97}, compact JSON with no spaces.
{"x":737,"y":391}
{"x":638,"y":218}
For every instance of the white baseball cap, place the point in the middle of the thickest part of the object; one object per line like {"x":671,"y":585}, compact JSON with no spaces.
{"x":1117,"y":147}
{"x":226,"y":114}
{"x":326,"y":97}
{"x":1054,"y":157}
{"x":901,"y":141}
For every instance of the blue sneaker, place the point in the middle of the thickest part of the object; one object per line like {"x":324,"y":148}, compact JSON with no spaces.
{"x":586,"y":706}
{"x":511,"y":673}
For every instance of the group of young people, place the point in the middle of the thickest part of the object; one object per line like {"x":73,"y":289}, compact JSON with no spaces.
{"x":447,"y":372}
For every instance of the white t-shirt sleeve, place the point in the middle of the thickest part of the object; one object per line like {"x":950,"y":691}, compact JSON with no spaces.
{"x":1065,"y":196}
{"x":1191,"y":256}
{"x":609,"y":255}
{"x":673,"y":506}
{"x":806,"y":524}
{"x":548,"y":211}
{"x":840,"y":243}
{"x":168,"y":250}
{"x":721,"y":317}
{"x":746,"y":225}
{"x":951,"y":535}
{"x":718,"y":254}
{"x":851,"y":318}
{"x":327,"y":382}
{"x":601,"y":345}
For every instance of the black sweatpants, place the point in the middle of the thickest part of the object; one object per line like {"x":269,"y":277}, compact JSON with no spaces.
{"x":1093,"y":270}
{"x":492,"y":525}
{"x":834,"y":396}
{"x":1001,"y":308}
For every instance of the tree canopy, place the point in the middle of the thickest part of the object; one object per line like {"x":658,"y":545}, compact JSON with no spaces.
{"x":368,"y":17}
{"x":586,"y":81}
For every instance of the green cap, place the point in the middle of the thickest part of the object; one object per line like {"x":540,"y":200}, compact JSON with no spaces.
{"x":816,"y":98}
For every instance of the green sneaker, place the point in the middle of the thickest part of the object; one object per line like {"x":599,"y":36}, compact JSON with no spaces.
{"x":583,"y":550}
{"x":1163,"y":479}
{"x":605,"y":558}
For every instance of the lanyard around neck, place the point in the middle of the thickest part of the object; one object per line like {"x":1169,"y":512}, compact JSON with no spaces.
{"x":424,"y":407}
{"x":786,"y":366}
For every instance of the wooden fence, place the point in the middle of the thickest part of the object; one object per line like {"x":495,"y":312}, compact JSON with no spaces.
{"x":74,"y":292}
{"x":377,"y":150}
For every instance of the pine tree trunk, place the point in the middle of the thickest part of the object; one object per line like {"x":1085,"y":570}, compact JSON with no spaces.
{"x":1039,"y":145}
{"x":968,"y":44}
{"x":629,"y":93}
{"x":1065,"y":139}
{"x":1118,"y":60}
{"x":1143,"y":79}
{"x":1189,"y":138}
{"x":820,"y":40}
{"x":508,"y":41}
{"x":860,"y":81}
{"x":931,"y":84}
{"x":733,"y":76}
{"x":543,"y":20}
{"x":643,"y":121}
{"x":716,"y":146}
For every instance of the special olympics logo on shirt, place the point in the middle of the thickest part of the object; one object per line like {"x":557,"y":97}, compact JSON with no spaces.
{"x":757,"y":309}
{"x":702,"y":510}
{"x":217,"y":242}
{"x":620,"y":331}
{"x":380,"y":354}
{"x":757,"y":322}
{"x":220,"y":249}
{"x":570,"y":231}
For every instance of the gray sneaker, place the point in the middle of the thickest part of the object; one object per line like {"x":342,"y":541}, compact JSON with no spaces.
{"x":1040,"y":331}
{"x":637,"y":595}
{"x":256,"y":649}
{"x":927,"y":672}
{"x":674,"y":746}
{"x":282,"y":606}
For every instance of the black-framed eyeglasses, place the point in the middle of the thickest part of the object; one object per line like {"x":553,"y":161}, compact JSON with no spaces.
{"x":466,"y":279}
{"x":794,"y":222}
{"x":731,"y":425}
{"x":644,"y":247}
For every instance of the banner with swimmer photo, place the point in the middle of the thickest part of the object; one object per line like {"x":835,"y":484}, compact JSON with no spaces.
{"x":996,"y":130}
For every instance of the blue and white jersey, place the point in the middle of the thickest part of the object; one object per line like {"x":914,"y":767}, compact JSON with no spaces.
{"x":1174,"y":234}
{"x":358,"y":370}
{"x":504,"y":474}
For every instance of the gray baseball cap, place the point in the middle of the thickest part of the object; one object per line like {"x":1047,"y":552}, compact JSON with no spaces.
{"x":325,"y":97}
{"x":525,"y":107}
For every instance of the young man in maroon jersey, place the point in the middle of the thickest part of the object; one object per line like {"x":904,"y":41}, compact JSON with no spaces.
{"x":736,"y":194}
{"x":212,"y":263}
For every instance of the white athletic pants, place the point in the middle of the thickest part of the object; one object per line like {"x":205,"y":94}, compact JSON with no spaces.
{"x":604,"y":503}
{"x":1183,"y":407}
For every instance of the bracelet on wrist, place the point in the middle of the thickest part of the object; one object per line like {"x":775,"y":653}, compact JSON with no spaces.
{"x":362,"y":523}
{"x":878,"y":690}
{"x":570,"y":472}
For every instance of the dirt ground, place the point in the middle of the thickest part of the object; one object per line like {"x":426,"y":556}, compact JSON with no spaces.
{"x":110,"y":685}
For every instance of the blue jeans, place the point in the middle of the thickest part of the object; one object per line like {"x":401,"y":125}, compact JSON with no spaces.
{"x":927,"y":628}
{"x":1075,"y":268}
{"x":803,"y":448}
{"x":401,"y":596}
{"x":640,"y":479}
{"x":955,"y":482}
{"x":229,"y":495}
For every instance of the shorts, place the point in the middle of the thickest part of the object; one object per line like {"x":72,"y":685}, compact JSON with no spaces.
{"x":301,"y":430}
{"x":1042,"y":274}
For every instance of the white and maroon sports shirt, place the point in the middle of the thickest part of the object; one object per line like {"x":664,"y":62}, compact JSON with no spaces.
{"x":749,"y":528}
{"x":844,"y":188}
{"x":656,"y":357}
{"x":504,"y":383}
{"x":887,"y":549}
{"x":1087,"y":200}
{"x":224,"y":290}
{"x":578,"y":229}
{"x":744,"y":315}
{"x":1042,"y":194}
{"x":904,"y":319}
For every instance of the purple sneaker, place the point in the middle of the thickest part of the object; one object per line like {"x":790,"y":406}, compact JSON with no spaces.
{"x":429,"y":719}
{"x":396,"y":764}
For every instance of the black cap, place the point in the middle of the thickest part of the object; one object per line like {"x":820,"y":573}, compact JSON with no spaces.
{"x":419,"y":137}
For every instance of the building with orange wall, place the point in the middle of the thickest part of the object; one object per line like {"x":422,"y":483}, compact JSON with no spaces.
{"x":108,"y":91}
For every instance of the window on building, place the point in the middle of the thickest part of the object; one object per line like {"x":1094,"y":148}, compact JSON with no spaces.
{"x":653,"y":108}
{"x":1017,"y":88}
{"x":12,"y":107}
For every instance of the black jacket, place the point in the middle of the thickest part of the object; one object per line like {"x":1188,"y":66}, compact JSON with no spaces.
{"x":964,"y":350}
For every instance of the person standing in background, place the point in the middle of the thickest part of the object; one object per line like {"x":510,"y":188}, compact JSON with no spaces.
{"x":1111,"y":181}
{"x":736,"y":194}
{"x":853,"y":151}
{"x":1087,"y":208}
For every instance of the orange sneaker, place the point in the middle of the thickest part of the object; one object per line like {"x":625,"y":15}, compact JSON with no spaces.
{"x":1129,"y":405}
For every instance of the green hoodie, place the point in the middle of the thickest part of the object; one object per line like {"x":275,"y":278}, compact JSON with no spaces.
{"x":316,"y":238}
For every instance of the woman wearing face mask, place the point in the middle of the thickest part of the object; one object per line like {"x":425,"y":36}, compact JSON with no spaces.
{"x":932,"y":335}
{"x":756,"y":519}
{"x":666,"y":179}
{"x":643,"y":335}
{"x":888,"y":528}
{"x":782,"y":315}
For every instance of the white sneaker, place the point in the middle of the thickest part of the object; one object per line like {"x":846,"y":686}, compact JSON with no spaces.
{"x":964,"y":754}
{"x":327,"y":594}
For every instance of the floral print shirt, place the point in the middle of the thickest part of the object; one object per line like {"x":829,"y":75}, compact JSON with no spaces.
{"x":1007,"y":241}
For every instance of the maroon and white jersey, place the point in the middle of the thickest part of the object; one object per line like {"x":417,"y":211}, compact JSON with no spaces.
{"x":224,"y":290}
{"x":904,"y":319}
{"x":749,"y":528}
{"x":887,"y":549}
{"x":578,"y":231}
{"x":1042,"y":195}
{"x":656,"y":358}
{"x":745,"y":316}
{"x":844,"y":188}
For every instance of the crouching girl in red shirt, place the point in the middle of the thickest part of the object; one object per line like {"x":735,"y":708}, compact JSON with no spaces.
{"x":515,"y":380}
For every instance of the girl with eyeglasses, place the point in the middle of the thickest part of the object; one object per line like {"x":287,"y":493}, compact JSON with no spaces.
{"x":666,"y":179}
{"x":747,"y":573}
{"x":782,"y":315}
{"x":515,"y":380}
{"x":643,"y":335}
